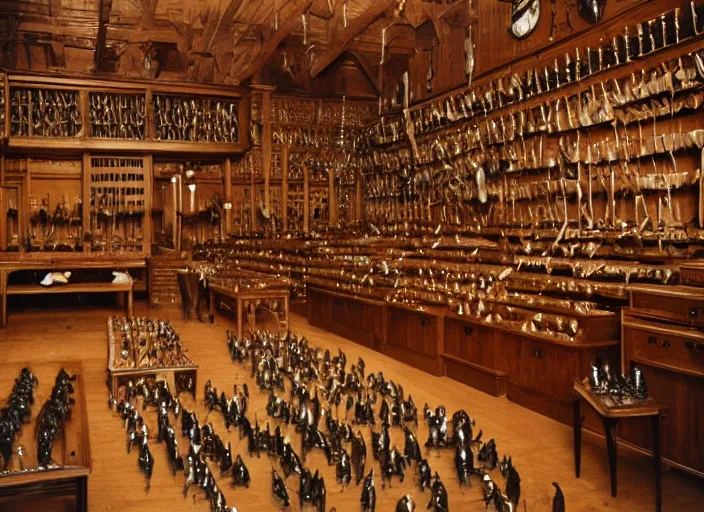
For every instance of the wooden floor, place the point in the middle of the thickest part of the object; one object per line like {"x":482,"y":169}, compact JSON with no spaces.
{"x":541,"y":448}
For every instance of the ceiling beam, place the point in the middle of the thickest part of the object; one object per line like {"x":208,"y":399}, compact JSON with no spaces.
{"x":355,"y":28}
{"x":104,"y":10}
{"x":291,"y":21}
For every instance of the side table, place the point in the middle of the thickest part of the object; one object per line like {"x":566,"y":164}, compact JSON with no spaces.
{"x":610,"y":417}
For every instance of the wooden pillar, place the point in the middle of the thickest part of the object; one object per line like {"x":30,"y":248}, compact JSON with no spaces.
{"x":332,"y":198}
{"x":228,"y":194}
{"x":151,"y":125}
{"x":85,"y":176}
{"x":306,"y":200}
{"x":147,"y":217}
{"x":3,"y":224}
{"x":266,"y":142}
{"x":284,"y":188}
{"x":8,"y":101}
{"x":252,"y":197}
{"x":359,"y":196}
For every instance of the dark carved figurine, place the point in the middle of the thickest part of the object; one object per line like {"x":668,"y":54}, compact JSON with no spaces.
{"x":359,"y":456}
{"x":240,"y":473}
{"x":405,"y":504}
{"x":488,"y":454}
{"x":424,"y":474}
{"x":558,"y":501}
{"x":513,"y":480}
{"x":438,"y":502}
{"x":278,"y":488}
{"x":368,"y":498}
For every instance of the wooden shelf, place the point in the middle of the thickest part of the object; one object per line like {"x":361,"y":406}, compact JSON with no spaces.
{"x":122,"y":145}
{"x":37,"y":289}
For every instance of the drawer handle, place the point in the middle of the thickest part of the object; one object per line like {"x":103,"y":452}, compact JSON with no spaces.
{"x":468,"y":330}
{"x":538,"y":354}
{"x":693,"y":345}
{"x":665,"y":344}
{"x":694,"y":313}
{"x":422,"y":322}
{"x":652,"y":340}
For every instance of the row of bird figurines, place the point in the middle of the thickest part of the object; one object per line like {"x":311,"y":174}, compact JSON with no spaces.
{"x":273,"y":358}
{"x":17,"y":413}
{"x":622,"y":388}
{"x":53,"y":416}
{"x":204,"y":444}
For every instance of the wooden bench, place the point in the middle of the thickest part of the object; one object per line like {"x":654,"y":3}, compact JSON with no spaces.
{"x":35,"y":289}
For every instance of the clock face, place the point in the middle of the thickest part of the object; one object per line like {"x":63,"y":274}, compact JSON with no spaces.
{"x":525,"y":15}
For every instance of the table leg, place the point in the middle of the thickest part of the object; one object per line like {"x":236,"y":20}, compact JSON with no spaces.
{"x":239,"y":320}
{"x":657,"y":460}
{"x":211,"y":315}
{"x":130,"y":303}
{"x":3,"y":298}
{"x":82,"y":494}
{"x":577,"y":435}
{"x":610,"y":428}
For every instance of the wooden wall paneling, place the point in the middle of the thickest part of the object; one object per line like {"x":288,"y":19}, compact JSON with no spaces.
{"x":227,"y":177}
{"x":496,"y":48}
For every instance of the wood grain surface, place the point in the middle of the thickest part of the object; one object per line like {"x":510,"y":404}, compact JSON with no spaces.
{"x":541,"y":448}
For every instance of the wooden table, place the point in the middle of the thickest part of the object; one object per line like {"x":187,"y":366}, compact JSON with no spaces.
{"x":244,"y":294}
{"x":71,"y":449}
{"x":610,"y":417}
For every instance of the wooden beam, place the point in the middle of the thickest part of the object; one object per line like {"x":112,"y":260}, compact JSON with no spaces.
{"x":291,"y":21}
{"x":104,"y":17}
{"x":366,"y":68}
{"x":358,"y":25}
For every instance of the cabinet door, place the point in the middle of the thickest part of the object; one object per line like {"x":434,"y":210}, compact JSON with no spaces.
{"x":509,"y":348}
{"x":548,"y":369}
{"x":319,"y":306}
{"x":470,"y":342}
{"x":682,"y":441}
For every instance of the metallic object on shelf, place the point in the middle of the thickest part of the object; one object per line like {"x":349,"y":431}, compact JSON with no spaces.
{"x":45,"y":113}
{"x":196,"y":119}
{"x":620,"y":388}
{"x":117,"y":116}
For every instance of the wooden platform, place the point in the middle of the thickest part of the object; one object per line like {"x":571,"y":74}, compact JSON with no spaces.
{"x":541,"y":448}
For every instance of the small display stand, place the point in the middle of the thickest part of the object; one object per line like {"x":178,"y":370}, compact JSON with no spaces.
{"x":179,"y":377}
{"x":611,"y":411}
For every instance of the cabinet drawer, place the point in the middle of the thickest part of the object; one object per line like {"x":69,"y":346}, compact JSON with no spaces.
{"x":681,"y":304}
{"x":664,"y":346}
